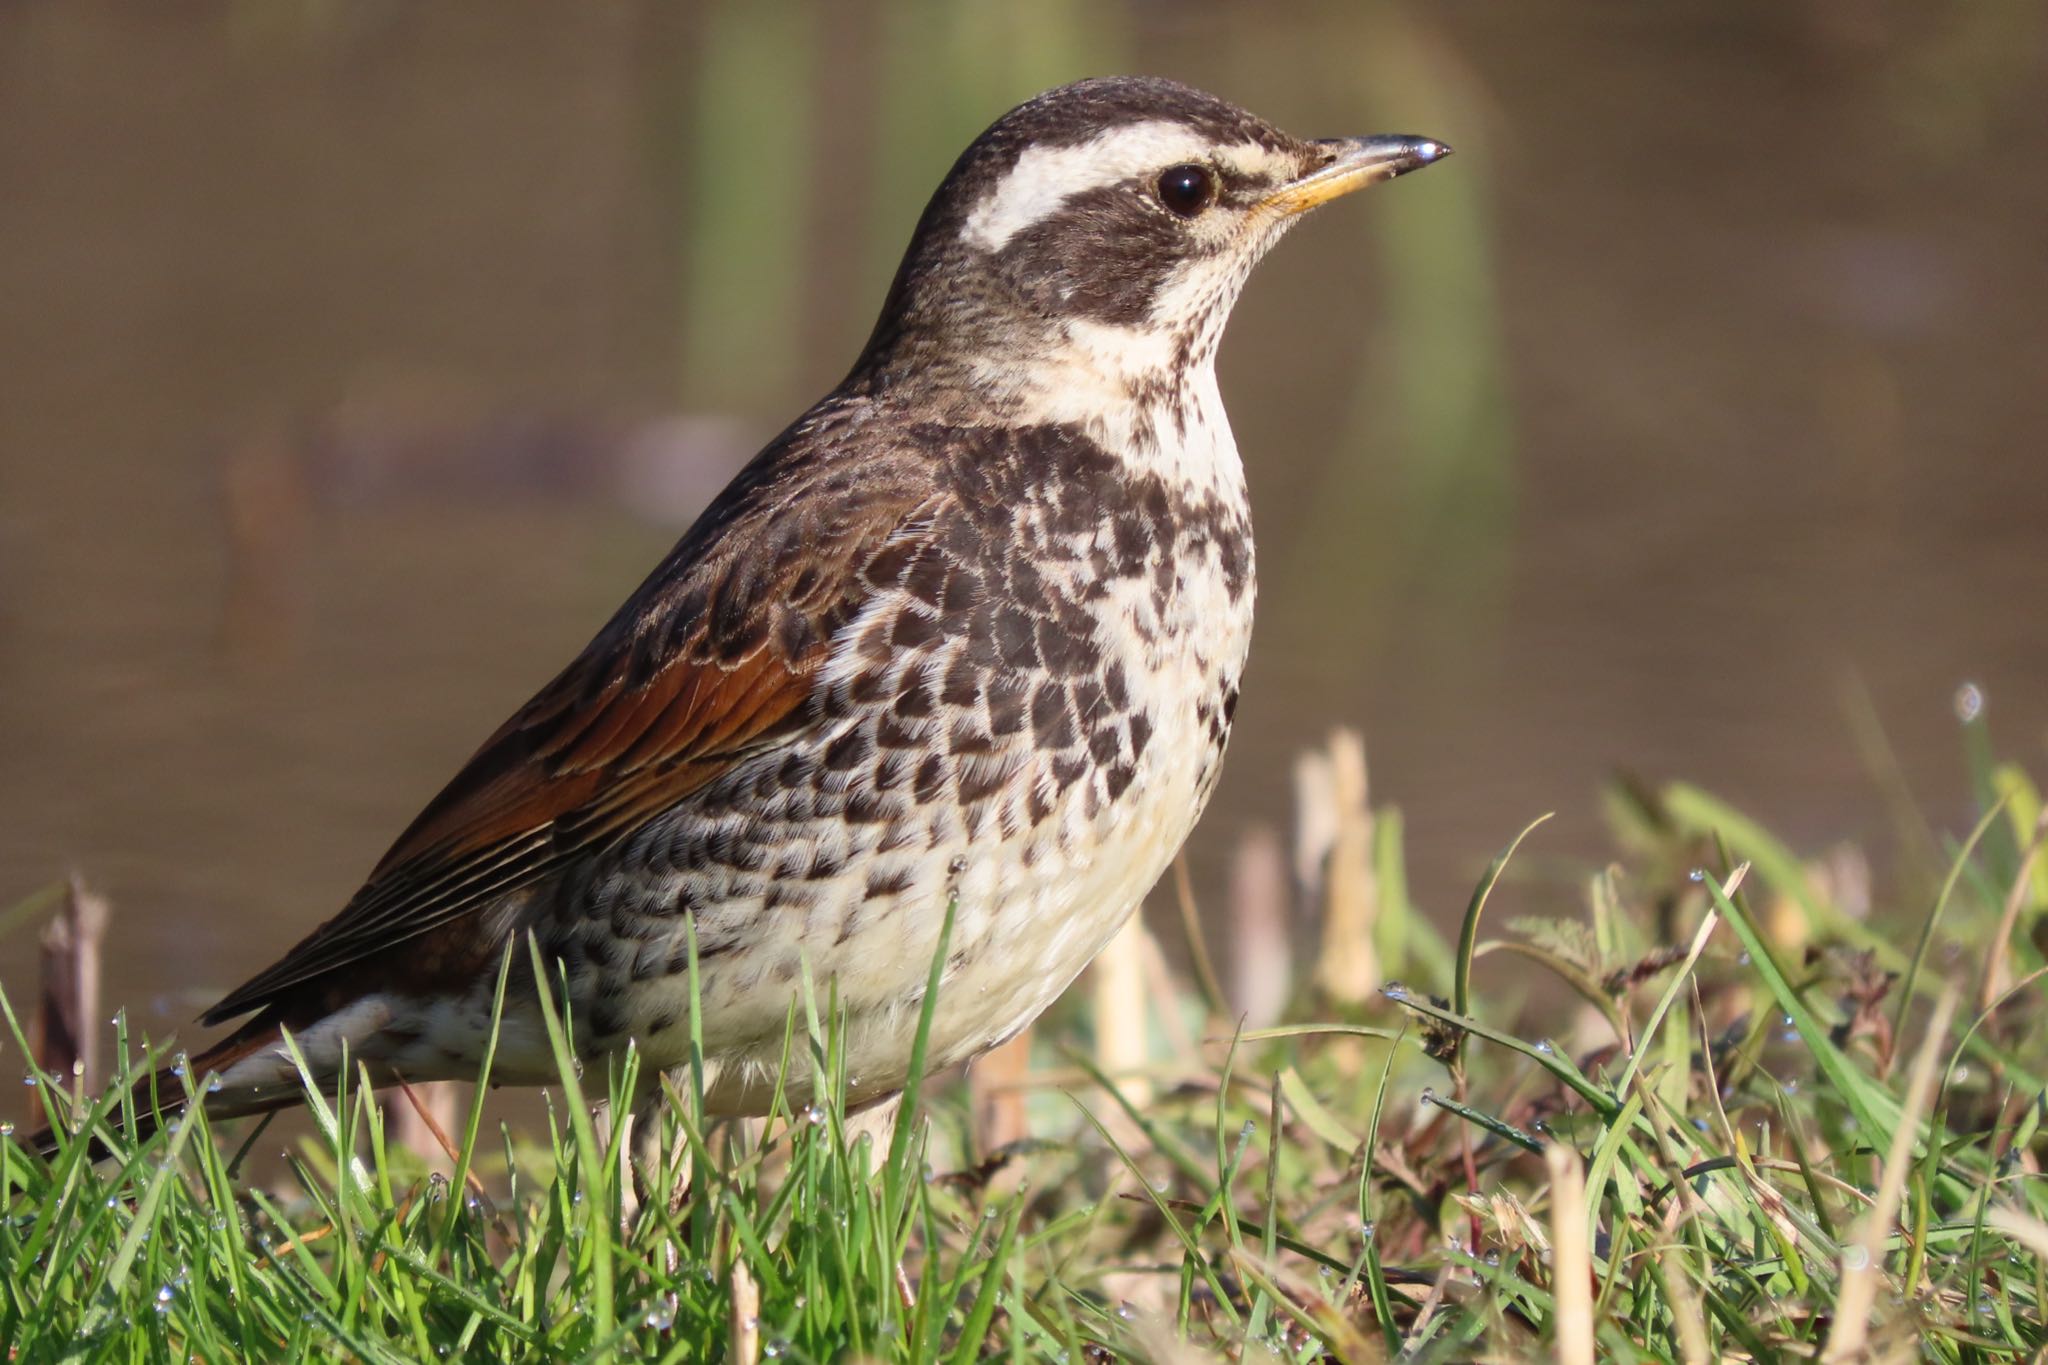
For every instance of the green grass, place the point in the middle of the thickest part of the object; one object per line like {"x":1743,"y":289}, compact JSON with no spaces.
{"x":1779,"y":1158}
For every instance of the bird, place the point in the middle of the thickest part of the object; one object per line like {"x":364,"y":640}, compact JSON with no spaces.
{"x":960,"y":647}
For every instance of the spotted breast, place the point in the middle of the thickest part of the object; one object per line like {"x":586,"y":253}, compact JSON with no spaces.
{"x":1024,"y":718}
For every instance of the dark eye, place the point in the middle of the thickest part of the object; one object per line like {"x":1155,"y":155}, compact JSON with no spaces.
{"x":1187,"y":190}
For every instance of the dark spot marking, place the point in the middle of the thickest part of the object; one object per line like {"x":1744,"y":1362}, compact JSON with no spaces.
{"x":1006,"y":705}
{"x":930,"y":781}
{"x":892,"y":733}
{"x":1052,"y":720}
{"x":912,"y":629}
{"x":915,"y":701}
{"x":926,"y":579}
{"x":968,"y":738}
{"x":864,"y":807}
{"x":885,"y":568}
{"x":962,"y":686}
{"x":1014,"y":638}
{"x":1118,"y":690}
{"x":889,"y":882}
{"x":1104,"y":743}
{"x":848,"y":751}
{"x":983,"y":778}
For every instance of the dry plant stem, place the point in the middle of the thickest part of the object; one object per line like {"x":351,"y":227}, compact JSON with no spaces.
{"x":1471,"y":1163}
{"x":66,"y":1041}
{"x":1571,"y":1255}
{"x":1430,"y":1303}
{"x":1159,"y":984}
{"x":1120,"y":1026}
{"x":422,"y":1126}
{"x":1347,"y":968}
{"x":998,"y":1081}
{"x":1688,"y":1312}
{"x":745,"y":1334}
{"x":2028,"y":1231}
{"x":1863,"y":1253}
{"x":1198,"y":943}
{"x":1997,"y":971}
{"x":1261,"y":907}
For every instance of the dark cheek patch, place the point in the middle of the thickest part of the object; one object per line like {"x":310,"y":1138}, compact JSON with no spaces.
{"x":1102,"y":255}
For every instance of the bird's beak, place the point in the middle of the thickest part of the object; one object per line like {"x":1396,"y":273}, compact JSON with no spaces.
{"x":1357,"y":162}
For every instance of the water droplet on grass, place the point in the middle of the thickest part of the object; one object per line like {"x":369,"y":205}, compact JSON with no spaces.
{"x":1698,"y":874}
{"x":1428,"y":1096}
{"x":1969,"y":702}
{"x":1546,"y":1047}
{"x":1394,"y":990}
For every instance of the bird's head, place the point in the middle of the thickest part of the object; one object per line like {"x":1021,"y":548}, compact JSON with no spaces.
{"x":1099,"y":234}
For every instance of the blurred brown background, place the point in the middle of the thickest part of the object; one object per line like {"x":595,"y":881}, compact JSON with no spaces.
{"x":357,"y":359}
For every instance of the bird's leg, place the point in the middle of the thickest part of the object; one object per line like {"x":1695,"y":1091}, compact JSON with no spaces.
{"x":659,"y":1170}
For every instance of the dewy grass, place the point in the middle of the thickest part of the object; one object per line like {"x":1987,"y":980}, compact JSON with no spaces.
{"x":1703,"y":1142}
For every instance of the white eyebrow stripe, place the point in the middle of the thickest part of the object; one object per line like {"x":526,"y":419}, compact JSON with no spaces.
{"x":1046,"y":177}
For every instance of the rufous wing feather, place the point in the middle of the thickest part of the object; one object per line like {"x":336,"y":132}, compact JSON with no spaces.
{"x":712,"y":660}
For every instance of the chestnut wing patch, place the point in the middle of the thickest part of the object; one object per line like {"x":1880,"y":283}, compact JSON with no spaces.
{"x":713,"y":660}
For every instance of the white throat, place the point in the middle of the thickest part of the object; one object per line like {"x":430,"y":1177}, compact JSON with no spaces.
{"x":1133,"y":392}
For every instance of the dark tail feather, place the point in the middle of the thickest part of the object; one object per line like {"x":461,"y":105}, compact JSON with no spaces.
{"x":160,"y":1098}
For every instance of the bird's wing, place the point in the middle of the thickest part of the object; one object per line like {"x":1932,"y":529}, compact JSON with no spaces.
{"x":711,"y":661}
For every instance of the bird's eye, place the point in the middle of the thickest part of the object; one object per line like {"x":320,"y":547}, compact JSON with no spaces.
{"x":1187,"y":190}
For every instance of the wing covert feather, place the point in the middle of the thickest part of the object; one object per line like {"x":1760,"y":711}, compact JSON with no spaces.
{"x":710,"y":661}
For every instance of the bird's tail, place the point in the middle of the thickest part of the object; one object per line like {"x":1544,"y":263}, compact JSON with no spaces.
{"x":163,"y":1096}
